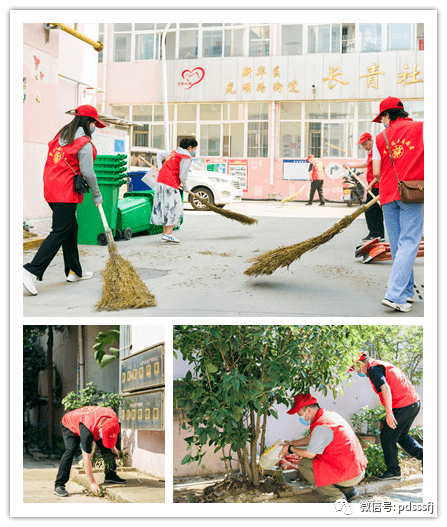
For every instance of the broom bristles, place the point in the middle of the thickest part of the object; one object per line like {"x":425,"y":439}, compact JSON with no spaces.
{"x":123,"y":288}
{"x":241,"y":218}
{"x":268,"y":262}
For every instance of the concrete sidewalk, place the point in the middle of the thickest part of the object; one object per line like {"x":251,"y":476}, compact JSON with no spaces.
{"x":204,"y":274}
{"x":39,"y":476}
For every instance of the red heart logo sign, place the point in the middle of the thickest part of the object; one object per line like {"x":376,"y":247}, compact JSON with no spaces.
{"x":193,"y":77}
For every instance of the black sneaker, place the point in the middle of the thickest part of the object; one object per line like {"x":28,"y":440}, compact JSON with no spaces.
{"x":113,"y":478}
{"x":308,"y":203}
{"x":389,"y":475}
{"x":351,"y":495}
{"x":61,"y":492}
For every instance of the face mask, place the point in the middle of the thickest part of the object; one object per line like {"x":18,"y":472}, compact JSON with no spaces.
{"x":92,"y":131}
{"x":303,"y":421}
{"x":361,"y":374}
{"x":193,"y":153}
{"x":386,"y":125}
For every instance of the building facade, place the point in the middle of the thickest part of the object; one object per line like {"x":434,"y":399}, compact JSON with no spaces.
{"x":259,"y":98}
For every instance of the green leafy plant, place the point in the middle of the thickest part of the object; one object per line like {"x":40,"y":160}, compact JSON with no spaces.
{"x":91,"y":396}
{"x":376,"y":462}
{"x":107,"y":340}
{"x":367,"y":421}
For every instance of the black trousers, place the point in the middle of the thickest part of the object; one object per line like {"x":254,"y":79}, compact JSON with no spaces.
{"x":391,"y":437}
{"x":64,"y":233}
{"x":72,"y":448}
{"x":374,"y":217}
{"x":316,"y":185}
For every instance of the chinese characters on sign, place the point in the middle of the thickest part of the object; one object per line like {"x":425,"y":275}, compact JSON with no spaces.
{"x":258,"y":81}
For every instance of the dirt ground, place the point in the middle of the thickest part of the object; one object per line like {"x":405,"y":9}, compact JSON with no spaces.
{"x":269,"y":490}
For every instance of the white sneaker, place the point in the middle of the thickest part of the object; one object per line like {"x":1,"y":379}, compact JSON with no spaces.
{"x":73,"y":277}
{"x":29,"y":281}
{"x":169,"y":239}
{"x":410,"y":299}
{"x":404,"y":308}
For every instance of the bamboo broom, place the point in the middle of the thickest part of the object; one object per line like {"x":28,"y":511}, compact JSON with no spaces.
{"x":236,"y":216}
{"x":293,"y":196}
{"x":123,"y":288}
{"x":268,"y":262}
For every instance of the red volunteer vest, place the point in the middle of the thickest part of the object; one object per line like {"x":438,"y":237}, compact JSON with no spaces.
{"x":89,"y":416}
{"x":402,"y":391}
{"x":58,"y":176}
{"x":170,"y":171}
{"x":369,"y":169}
{"x":317,"y":170}
{"x":407,"y":145}
{"x":343,"y":458}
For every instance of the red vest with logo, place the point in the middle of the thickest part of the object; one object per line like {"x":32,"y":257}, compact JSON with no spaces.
{"x":369,"y":169}
{"x":58,"y":176}
{"x":402,"y":391}
{"x":406,"y":140}
{"x":317,"y":170}
{"x":89,"y":416}
{"x":170,"y":171}
{"x":343,"y":458}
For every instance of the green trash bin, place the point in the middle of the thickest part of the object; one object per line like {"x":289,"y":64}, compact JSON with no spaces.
{"x":89,"y":220}
{"x":134,"y":214}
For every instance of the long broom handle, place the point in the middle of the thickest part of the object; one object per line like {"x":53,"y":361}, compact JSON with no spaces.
{"x":103,"y":217}
{"x":361,"y":182}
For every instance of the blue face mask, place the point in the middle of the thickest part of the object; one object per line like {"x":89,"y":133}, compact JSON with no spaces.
{"x":92,"y":131}
{"x":303,"y":421}
{"x":193,"y":153}
{"x":386,"y":125}
{"x":361,"y":374}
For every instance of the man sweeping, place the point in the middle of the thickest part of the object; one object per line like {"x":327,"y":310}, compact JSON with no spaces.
{"x":402,"y":405}
{"x":81,"y":427}
{"x":333,"y":460}
{"x":316,"y":175}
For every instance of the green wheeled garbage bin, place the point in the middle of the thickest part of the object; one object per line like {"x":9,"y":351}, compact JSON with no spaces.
{"x":134,"y":214}
{"x":90,"y":227}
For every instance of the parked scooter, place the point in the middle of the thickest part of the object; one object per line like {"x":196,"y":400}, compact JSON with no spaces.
{"x":353,"y":191}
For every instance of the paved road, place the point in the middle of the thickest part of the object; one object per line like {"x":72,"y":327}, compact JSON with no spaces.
{"x":203,"y":276}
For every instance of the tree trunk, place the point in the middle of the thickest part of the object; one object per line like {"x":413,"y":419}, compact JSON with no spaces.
{"x":264,"y":429}
{"x":50,"y":385}
{"x":253,"y":464}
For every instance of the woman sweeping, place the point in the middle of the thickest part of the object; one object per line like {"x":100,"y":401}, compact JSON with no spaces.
{"x":168,"y":202}
{"x":71,"y":151}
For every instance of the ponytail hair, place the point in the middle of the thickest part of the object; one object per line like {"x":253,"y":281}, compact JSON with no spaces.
{"x":68,"y":132}
{"x":186,"y":142}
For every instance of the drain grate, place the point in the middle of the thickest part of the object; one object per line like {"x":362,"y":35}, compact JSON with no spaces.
{"x":419,"y":291}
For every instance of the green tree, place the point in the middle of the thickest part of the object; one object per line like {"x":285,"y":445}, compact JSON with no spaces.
{"x":240,"y":372}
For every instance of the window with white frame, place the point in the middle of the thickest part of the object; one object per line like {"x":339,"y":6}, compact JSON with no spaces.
{"x":122,"y":42}
{"x":144,"y":42}
{"x":212,"y":40}
{"x":400,"y":36}
{"x":259,"y":41}
{"x":370,"y":37}
{"x":188,"y":42}
{"x":292,"y":39}
{"x":234,"y":42}
{"x":290,"y":129}
{"x":257,"y":129}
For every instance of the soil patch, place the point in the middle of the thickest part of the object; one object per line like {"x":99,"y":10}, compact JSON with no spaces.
{"x":270,"y":489}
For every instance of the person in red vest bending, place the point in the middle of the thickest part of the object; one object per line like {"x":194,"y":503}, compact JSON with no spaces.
{"x":332,"y":459}
{"x":402,"y":405}
{"x":70,"y":152}
{"x":81,"y":427}
{"x":316,"y":176}
{"x":404,"y":222}
{"x":168,"y":202}
{"x":374,"y":215}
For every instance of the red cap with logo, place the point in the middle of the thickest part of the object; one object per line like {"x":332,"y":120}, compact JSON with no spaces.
{"x":300,"y":400}
{"x":87,"y":110}
{"x":360,"y":357}
{"x":390,"y":103}
{"x":364,"y":137}
{"x":110,"y":431}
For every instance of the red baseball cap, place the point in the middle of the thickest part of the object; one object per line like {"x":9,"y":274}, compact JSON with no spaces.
{"x":364,"y":137}
{"x":303,"y":399}
{"x":309,"y":156}
{"x":87,"y":110}
{"x":360,"y":357}
{"x":110,"y":431}
{"x":390,"y":103}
